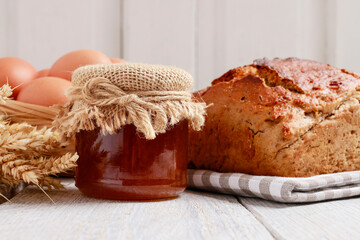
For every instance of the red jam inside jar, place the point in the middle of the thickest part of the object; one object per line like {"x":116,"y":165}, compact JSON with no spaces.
{"x":126,"y":166}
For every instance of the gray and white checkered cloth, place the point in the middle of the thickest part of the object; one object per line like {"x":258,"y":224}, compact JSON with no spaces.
{"x":280,"y":189}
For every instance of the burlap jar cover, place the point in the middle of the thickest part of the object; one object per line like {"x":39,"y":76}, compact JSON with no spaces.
{"x":152,"y":97}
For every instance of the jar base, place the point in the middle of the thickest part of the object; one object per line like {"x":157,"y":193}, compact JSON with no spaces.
{"x":130,"y":193}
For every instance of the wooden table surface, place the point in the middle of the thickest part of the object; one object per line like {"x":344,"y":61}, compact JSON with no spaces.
{"x":194,"y":215}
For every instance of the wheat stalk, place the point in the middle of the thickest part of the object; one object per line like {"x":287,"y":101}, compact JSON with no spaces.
{"x":5,"y":93}
{"x":26,"y":139}
{"x":27,"y":153}
{"x":50,"y":183}
{"x":36,"y":115}
{"x":55,"y":165}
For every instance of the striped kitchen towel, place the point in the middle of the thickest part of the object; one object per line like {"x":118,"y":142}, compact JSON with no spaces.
{"x":280,"y":189}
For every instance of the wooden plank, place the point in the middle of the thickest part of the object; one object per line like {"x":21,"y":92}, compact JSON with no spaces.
{"x":194,"y":215}
{"x":343,"y":21}
{"x":233,"y":33}
{"x":160,"y":32}
{"x":325,"y":220}
{"x":41,"y":31}
{"x":209,"y":59}
{"x":3,"y":27}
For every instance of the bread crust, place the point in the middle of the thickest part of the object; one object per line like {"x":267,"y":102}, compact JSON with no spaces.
{"x":284,"y":117}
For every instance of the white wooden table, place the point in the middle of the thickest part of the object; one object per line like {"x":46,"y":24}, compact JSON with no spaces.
{"x":194,"y":215}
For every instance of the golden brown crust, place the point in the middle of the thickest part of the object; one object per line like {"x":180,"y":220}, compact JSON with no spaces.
{"x":262,"y":113}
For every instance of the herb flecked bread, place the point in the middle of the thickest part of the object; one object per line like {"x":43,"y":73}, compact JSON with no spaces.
{"x":283,"y":117}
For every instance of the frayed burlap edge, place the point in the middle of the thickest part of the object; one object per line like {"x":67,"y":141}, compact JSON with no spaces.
{"x":101,"y":104}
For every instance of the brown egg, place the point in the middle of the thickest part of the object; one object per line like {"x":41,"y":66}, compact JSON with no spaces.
{"x":65,"y":65}
{"x":117,"y":60}
{"x":43,"y":73}
{"x":17,"y":72}
{"x":45,"y":91}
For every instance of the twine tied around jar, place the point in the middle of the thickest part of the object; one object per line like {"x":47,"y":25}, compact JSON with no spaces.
{"x":111,"y":96}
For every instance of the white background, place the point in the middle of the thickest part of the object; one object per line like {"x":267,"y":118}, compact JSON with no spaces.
{"x":205,"y":37}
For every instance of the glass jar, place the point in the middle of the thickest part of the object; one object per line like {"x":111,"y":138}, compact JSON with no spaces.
{"x":126,"y":166}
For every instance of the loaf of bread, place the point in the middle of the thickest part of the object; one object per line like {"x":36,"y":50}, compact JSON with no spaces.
{"x":281,"y":117}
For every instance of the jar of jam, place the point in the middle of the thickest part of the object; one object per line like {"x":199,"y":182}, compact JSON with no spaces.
{"x":131,"y":123}
{"x":125,"y":165}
